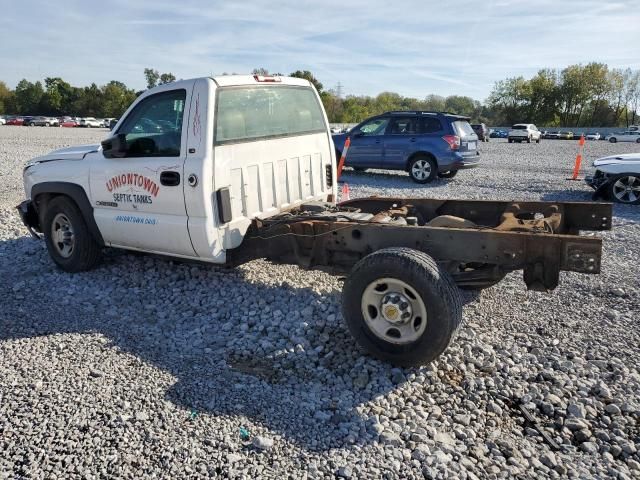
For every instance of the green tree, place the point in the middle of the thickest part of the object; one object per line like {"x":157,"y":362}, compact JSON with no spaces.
{"x":152,"y":76}
{"x":28,"y":97}
{"x":7,"y":99}
{"x":307,"y":75}
{"x":167,"y":78}
{"x":117,"y":98}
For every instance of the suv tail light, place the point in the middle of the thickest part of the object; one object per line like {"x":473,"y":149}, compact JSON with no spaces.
{"x":453,"y":141}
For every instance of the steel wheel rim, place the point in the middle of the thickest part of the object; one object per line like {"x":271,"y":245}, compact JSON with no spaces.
{"x":62,"y":235}
{"x":421,"y":169}
{"x":383,"y":307}
{"x":627,"y":189}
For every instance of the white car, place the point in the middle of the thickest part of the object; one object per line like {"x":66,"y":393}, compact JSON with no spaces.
{"x":2,"y":121}
{"x":90,"y":122}
{"x":524,"y":132}
{"x":626,"y":136}
{"x":617,"y":177}
{"x":593,"y":136}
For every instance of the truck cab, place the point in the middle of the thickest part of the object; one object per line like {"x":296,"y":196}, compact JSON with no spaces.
{"x":191,"y":163}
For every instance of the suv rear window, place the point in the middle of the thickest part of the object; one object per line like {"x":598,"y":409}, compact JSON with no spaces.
{"x":463,"y":128}
{"x":519,"y":127}
{"x":258,"y":112}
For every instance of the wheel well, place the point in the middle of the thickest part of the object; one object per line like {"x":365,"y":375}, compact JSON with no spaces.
{"x":43,"y":193}
{"x":413,"y":156}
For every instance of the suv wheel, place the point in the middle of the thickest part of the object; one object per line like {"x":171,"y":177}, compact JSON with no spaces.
{"x":529,"y":139}
{"x":69,"y":242}
{"x":423,"y":169}
{"x":613,"y":140}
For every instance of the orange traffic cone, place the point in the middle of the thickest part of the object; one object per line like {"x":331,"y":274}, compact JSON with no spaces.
{"x":343,"y":157}
{"x":345,"y":192}
{"x":578,"y":163}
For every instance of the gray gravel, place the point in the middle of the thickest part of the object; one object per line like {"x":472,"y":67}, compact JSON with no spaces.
{"x":148,"y":368}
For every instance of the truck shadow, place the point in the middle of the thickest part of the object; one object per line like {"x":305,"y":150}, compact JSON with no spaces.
{"x":276,"y":355}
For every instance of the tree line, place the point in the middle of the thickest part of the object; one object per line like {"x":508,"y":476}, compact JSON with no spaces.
{"x":578,"y":95}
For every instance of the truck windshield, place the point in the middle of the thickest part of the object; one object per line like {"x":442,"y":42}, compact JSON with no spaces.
{"x":251,"y":113}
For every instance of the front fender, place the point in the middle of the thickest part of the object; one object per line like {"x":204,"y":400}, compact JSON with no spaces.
{"x":43,"y":190}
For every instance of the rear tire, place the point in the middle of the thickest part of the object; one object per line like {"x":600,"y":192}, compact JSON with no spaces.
{"x":423,"y":169}
{"x":509,"y":140}
{"x":539,"y":140}
{"x":613,"y":140}
{"x":388,"y":284}
{"x":449,"y":174}
{"x":68,"y":239}
{"x":528,"y":139}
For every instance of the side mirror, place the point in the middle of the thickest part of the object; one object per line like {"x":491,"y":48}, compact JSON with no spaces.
{"x":115,"y":147}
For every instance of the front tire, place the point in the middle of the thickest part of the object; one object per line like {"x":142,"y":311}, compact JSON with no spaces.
{"x":401,"y":306}
{"x":69,"y":242}
{"x":423,"y":169}
{"x":625,"y":189}
{"x":528,"y":139}
{"x":613,"y":140}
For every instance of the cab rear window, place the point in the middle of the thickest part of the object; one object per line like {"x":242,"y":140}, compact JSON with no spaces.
{"x":245,"y":114}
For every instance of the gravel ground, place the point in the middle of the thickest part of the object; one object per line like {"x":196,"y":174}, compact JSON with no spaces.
{"x":146,"y":368}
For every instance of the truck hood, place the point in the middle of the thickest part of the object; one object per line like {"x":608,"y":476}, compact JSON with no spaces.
{"x":77,"y":152}
{"x":632,"y":159}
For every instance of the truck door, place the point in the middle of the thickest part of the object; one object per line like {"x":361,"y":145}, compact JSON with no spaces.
{"x":139,"y":199}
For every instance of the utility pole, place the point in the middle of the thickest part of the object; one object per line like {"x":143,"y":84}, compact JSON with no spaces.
{"x":339,"y":90}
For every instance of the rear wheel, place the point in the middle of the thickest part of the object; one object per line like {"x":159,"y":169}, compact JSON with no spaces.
{"x":448,"y":174}
{"x":528,"y":139}
{"x":613,"y":140}
{"x":539,"y":139}
{"x":401,"y":306}
{"x":423,"y":169}
{"x":68,"y":240}
{"x":625,"y":188}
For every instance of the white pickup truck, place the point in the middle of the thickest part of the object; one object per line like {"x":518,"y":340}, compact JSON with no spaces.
{"x":228,"y":169}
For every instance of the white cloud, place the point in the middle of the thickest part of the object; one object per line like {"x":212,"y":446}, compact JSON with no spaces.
{"x":414,"y":48}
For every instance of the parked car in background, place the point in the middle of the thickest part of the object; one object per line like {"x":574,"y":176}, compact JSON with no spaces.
{"x":524,"y":132}
{"x":482,"y":131}
{"x":45,"y":122}
{"x":15,"y":121}
{"x":113,"y":123}
{"x":593,"y":136}
{"x":551,"y":135}
{"x":3,"y":121}
{"x":565,"y":135}
{"x":27,"y":121}
{"x":626,"y":136}
{"x":499,"y":134}
{"x":617,"y":178}
{"x":89,"y":122}
{"x":425,"y":144}
{"x":69,"y":123}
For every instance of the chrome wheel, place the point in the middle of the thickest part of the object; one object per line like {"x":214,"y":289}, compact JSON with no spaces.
{"x":627,"y":189}
{"x":62,"y":236}
{"x":394,"y":311}
{"x":421,"y":169}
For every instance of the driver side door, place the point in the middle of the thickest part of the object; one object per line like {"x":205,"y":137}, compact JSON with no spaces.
{"x":139,"y":199}
{"x":367,"y":144}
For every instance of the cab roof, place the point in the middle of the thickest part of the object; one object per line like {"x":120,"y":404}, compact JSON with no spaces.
{"x":234,"y":80}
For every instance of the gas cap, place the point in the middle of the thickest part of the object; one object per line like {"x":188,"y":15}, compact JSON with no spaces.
{"x":192,"y":180}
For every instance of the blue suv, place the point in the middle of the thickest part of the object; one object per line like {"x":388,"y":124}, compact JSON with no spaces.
{"x":425,"y":144}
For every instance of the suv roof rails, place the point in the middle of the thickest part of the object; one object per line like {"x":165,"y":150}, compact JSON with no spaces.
{"x":423,"y":112}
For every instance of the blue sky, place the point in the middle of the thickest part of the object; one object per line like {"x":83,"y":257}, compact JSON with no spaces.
{"x":412,"y":47}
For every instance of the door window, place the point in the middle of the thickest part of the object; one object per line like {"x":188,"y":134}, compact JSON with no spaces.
{"x":377,"y":126}
{"x":430,"y":125}
{"x":403,"y":126}
{"x":154,"y":127}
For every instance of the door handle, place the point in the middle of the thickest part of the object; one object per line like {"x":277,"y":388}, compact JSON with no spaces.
{"x":412,"y":139}
{"x":169,"y":178}
{"x":377,"y":141}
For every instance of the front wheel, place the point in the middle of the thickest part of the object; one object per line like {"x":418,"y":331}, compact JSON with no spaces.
{"x":448,"y":174}
{"x":528,"y":139}
{"x":69,"y":242}
{"x":625,"y":188}
{"x":423,"y":169}
{"x":539,"y":140}
{"x":401,"y":306}
{"x":613,"y":140}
